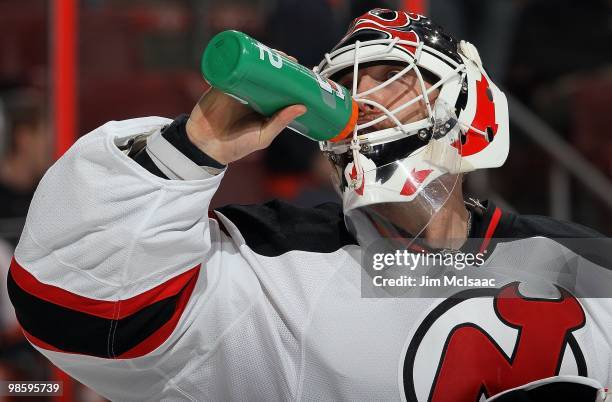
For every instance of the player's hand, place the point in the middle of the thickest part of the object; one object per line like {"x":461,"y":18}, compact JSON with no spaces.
{"x":227,"y":130}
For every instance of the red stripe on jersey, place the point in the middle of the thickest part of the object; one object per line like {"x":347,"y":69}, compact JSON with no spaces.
{"x":148,"y":345}
{"x":40,"y":343}
{"x":491,"y":229}
{"x":114,"y":310}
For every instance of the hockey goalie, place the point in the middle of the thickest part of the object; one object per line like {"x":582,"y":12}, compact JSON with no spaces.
{"x":125,"y":280}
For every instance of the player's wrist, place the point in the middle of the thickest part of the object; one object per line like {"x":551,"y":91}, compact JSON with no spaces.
{"x":181,"y":139}
{"x":206,"y":144}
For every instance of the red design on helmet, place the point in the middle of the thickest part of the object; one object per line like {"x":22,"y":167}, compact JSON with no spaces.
{"x":414,"y":181}
{"x":353,"y":176}
{"x":392,"y":23}
{"x":484,"y":120}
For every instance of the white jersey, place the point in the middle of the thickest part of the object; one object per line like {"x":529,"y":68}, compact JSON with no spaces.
{"x":125,"y":281}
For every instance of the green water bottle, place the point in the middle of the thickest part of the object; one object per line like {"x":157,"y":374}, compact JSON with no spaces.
{"x":267,"y":81}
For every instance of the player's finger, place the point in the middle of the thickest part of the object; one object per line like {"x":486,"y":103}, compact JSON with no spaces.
{"x":278,"y":122}
{"x":286,"y":55}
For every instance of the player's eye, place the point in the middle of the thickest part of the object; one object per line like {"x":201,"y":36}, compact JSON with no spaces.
{"x":392,"y":73}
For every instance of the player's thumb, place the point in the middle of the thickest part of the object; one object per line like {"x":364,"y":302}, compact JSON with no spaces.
{"x":279,"y":121}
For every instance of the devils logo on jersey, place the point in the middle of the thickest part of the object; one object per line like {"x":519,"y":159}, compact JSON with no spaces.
{"x":485,"y":341}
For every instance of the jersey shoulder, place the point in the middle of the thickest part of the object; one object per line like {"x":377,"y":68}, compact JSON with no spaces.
{"x":523,"y":226}
{"x":583,"y":241}
{"x":277,"y":227}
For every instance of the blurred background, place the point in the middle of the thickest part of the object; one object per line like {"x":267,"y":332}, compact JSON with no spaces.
{"x":68,"y":66}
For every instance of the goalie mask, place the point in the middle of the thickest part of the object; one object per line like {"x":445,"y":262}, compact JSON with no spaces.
{"x":416,"y":162}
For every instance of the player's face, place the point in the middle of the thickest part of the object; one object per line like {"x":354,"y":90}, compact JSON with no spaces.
{"x":392,"y":96}
{"x":411,"y":217}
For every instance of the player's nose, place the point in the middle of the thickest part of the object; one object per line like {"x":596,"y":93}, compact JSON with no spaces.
{"x":365,"y":83}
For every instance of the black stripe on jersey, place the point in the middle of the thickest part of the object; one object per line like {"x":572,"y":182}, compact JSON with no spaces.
{"x":76,"y":332}
{"x":276,"y":227}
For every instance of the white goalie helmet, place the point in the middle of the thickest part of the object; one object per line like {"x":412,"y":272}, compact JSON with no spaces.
{"x":465,"y":128}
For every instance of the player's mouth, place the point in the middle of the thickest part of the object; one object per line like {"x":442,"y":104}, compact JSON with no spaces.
{"x":375,"y":127}
{"x":366,"y":118}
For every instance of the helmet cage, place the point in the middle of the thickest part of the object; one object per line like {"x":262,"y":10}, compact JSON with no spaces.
{"x":450,"y":75}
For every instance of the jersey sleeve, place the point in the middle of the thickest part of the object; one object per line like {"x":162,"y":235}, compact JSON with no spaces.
{"x":110,"y":253}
